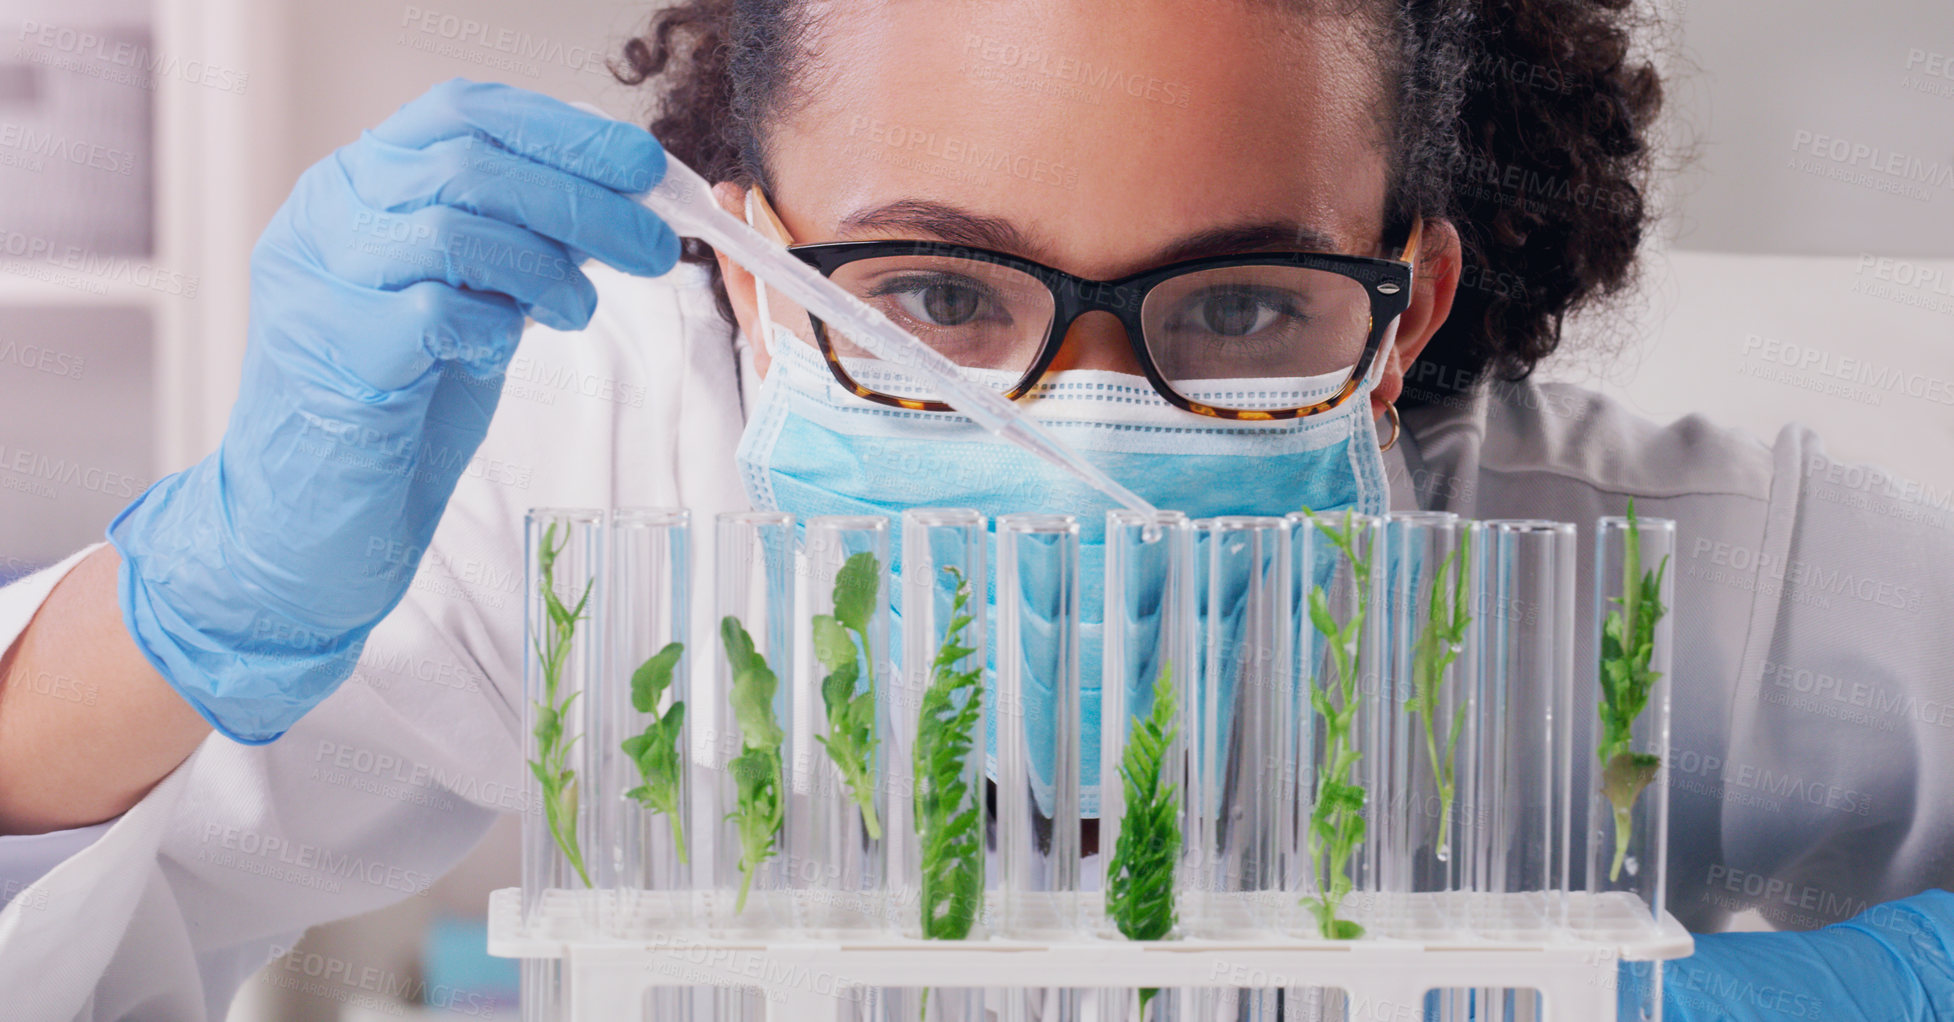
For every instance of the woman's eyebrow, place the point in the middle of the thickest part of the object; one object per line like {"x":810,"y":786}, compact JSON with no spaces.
{"x":1254,"y":236}
{"x":939,"y":222}
{"x":942,"y":222}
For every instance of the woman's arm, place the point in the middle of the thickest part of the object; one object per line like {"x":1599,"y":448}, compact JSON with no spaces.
{"x":252,"y":579}
{"x":87,"y":727}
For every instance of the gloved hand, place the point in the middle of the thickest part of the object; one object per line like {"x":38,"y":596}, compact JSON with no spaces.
{"x":1889,"y":963}
{"x":387,"y":296}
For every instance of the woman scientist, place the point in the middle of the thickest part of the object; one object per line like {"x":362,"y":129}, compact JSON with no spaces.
{"x":344,"y":571}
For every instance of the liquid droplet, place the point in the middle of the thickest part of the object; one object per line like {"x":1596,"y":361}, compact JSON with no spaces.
{"x":1631,"y":865}
{"x":1444,"y":853}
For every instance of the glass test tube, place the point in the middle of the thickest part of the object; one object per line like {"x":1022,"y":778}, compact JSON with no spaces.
{"x":644,"y":744}
{"x":1428,"y":685}
{"x":1241,"y":778}
{"x":1038,"y":725}
{"x":1524,"y":600}
{"x":936,"y":751}
{"x":642,"y":741}
{"x":1337,"y":800}
{"x":835,"y":849}
{"x":1149,"y":655}
{"x":563,"y":557}
{"x":747,"y":787}
{"x":1622,"y":766}
{"x":1629,"y":799}
{"x":1304,"y":645}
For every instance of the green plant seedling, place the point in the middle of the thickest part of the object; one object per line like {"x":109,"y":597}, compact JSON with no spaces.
{"x":850,"y":740}
{"x":1140,"y":878}
{"x":758,"y":778}
{"x":553,"y":648}
{"x":1336,"y":824}
{"x":1627,"y":646}
{"x":949,"y":824}
{"x":1439,"y":644}
{"x":656,"y":751}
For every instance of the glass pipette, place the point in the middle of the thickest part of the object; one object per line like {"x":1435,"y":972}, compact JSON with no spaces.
{"x":685,"y":201}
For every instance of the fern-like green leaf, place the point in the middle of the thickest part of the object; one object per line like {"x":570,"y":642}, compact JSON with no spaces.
{"x":948,"y":823}
{"x":1140,"y":875}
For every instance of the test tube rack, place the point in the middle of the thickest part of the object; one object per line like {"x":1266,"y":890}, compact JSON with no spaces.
{"x":1531,"y":913}
{"x":807,"y":980}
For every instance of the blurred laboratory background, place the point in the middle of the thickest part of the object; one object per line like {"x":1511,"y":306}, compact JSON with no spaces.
{"x":1805,"y":272}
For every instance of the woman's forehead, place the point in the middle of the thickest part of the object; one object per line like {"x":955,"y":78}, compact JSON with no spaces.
{"x":1097,"y":134}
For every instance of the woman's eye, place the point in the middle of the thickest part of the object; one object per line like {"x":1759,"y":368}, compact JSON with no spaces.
{"x":944,"y":304}
{"x":1236,"y":313}
{"x":940,"y":301}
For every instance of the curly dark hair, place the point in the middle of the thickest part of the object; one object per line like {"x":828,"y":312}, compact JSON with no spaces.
{"x":1526,"y":123}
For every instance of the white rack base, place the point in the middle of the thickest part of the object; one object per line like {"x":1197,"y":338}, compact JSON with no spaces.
{"x":803,"y":980}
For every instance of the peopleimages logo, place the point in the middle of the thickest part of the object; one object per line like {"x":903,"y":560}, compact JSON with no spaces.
{"x":43,"y":359}
{"x":1904,"y":282}
{"x":118,"y":60}
{"x":50,"y":146}
{"x":91,"y":267}
{"x":1072,"y":70}
{"x":963,"y":153}
{"x":1885,"y":700}
{"x":337,"y":979}
{"x":1905,"y":273}
{"x":1875,"y":376}
{"x":1873,"y":159}
{"x":304,"y":864}
{"x":1931,"y":73}
{"x":1753,"y":570}
{"x":509,"y":47}
{"x":1940,"y":65}
{"x":30,"y":464}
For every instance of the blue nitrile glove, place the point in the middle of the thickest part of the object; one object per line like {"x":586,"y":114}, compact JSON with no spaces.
{"x":387,"y":296}
{"x":1891,"y":962}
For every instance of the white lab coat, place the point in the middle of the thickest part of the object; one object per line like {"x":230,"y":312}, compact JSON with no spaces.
{"x":1812,"y":700}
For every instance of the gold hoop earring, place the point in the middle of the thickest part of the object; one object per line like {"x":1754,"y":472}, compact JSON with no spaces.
{"x":1391,"y":412}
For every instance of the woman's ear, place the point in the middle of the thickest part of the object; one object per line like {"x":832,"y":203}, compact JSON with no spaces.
{"x":1433,"y":285}
{"x":741,"y":285}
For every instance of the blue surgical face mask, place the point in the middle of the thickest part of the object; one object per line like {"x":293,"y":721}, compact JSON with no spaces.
{"x":811,"y":447}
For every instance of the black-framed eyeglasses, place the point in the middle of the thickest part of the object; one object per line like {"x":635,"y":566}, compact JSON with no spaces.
{"x":1259,"y":336}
